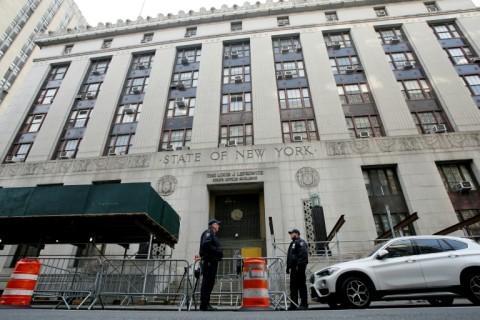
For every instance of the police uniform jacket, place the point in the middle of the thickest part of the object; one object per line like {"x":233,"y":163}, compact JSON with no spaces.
{"x":297,"y":253}
{"x":210,"y":248}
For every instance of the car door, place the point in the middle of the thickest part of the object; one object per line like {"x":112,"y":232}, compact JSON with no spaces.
{"x":399,"y":270}
{"x":441,"y":263}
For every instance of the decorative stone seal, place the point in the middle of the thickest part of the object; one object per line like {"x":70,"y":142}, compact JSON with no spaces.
{"x":307,"y":177}
{"x":166,"y":185}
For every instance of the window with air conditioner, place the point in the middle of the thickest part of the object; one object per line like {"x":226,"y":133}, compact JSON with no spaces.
{"x":297,"y":138}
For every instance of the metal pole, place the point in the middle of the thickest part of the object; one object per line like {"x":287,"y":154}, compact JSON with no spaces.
{"x":146,"y":265}
{"x":387,"y":208}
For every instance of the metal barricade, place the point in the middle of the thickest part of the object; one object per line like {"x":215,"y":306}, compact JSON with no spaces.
{"x":139,"y":282}
{"x":72,"y":280}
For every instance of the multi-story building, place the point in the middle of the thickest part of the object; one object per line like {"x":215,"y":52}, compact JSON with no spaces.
{"x":21,"y":22}
{"x":265,"y":116}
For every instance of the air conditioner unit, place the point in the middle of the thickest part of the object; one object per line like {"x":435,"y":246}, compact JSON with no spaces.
{"x":129,"y":109}
{"x":349,"y":69}
{"x":142,"y":65}
{"x":96,"y":72}
{"x":297,"y":48}
{"x":65,"y":155}
{"x":180,"y":85}
{"x":180,"y":102}
{"x":279,"y":75}
{"x":90,"y":95}
{"x":185,"y":60}
{"x":462,"y":186}
{"x":475,"y":60}
{"x":79,"y":96}
{"x":288,"y":74}
{"x":169,"y":148}
{"x":111,"y":152}
{"x":381,"y":14}
{"x":232,"y":143}
{"x":238,"y":78}
{"x":297,"y":138}
{"x":364,"y":134}
{"x":359,"y":68}
{"x":234,"y":54}
{"x":394,"y":40}
{"x":137,"y":90}
{"x":188,"y":35}
{"x":285,"y":49}
{"x":182,"y":148}
{"x":226,"y":56}
{"x":222,"y":145}
{"x":334,"y":45}
{"x":281,"y":23}
{"x":407,"y":65}
{"x":13,"y":159}
{"x":331,"y":19}
{"x":439,"y":128}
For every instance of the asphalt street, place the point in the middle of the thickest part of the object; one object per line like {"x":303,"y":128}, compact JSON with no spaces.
{"x":458,"y":312}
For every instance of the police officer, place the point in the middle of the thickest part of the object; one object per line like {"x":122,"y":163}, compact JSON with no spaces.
{"x":297,"y":260}
{"x":211,"y":253}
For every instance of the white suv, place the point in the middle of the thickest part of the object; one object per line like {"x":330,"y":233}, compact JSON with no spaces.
{"x":436,"y":268}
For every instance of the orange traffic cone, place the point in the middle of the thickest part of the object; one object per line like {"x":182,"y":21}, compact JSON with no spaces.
{"x":19,"y":289}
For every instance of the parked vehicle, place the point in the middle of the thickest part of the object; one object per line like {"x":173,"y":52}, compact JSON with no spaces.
{"x":435,"y":268}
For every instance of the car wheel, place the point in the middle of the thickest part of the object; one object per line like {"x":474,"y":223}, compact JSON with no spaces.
{"x":472,"y":287}
{"x":441,"y":302}
{"x":356,"y":293}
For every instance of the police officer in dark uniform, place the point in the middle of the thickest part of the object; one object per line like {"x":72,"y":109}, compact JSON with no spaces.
{"x":211,"y":253}
{"x":297,"y":260}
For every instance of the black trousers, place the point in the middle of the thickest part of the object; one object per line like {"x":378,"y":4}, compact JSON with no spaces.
{"x":209,"y":273}
{"x":298,"y":285}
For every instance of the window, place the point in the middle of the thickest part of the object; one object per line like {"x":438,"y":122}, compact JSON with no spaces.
{"x":21,"y":150}
{"x":136,"y":85}
{"x":426,"y":120}
{"x":68,"y":149}
{"x":78,"y":118}
{"x":68,"y":49}
{"x":294,"y":98}
{"x":390,"y":36}
{"x":33,"y":123}
{"x":431,"y":6}
{"x":283,"y":21}
{"x":58,"y":73}
{"x":142,"y":61}
{"x":473,"y":84}
{"x":427,"y":246}
{"x":446,"y":31}
{"x":341,"y":65}
{"x":290,"y":69}
{"x":340,"y":39}
{"x":90,"y":90}
{"x":99,"y":66}
{"x":176,"y":138}
{"x":359,"y":126}
{"x":190,"y":32}
{"x":415,"y":89}
{"x":401,"y":60}
{"x":285,"y":42}
{"x":459,"y":55}
{"x":236,"y":26}
{"x":241,"y":134}
{"x":354,"y":93}
{"x":401,"y":248}
{"x":331,"y":16}
{"x":473,"y":229}
{"x":46,"y":96}
{"x":120,"y":144}
{"x":291,"y":130}
{"x":183,"y":108}
{"x":237,"y":102}
{"x":107,"y":43}
{"x":186,"y":79}
{"x":453,"y":173}
{"x":147,"y":37}
{"x":191,"y":55}
{"x":128,"y":113}
{"x":230,"y":74}
{"x":380,"y":11}
{"x":236,"y":50}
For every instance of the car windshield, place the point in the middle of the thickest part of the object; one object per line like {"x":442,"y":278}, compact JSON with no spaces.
{"x":374,"y":249}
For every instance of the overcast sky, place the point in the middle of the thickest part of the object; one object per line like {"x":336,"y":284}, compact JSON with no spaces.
{"x":111,"y":10}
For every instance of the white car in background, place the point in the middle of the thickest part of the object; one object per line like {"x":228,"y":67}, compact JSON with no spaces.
{"x":435,"y":268}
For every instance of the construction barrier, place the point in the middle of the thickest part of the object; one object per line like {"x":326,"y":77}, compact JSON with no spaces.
{"x":255,"y":285}
{"x":20,"y":287}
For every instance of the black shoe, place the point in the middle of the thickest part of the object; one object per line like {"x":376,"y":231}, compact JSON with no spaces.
{"x":303,"y":308}
{"x":212,"y":308}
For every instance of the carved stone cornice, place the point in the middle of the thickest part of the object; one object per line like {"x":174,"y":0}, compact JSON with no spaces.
{"x":417,"y":143}
{"x":76,"y":165}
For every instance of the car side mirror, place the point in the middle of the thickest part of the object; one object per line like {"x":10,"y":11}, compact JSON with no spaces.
{"x":382,"y":254}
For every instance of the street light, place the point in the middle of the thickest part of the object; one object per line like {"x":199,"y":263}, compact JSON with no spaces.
{"x":315,"y":199}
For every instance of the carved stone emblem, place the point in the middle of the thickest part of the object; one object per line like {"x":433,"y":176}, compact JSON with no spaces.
{"x":307,"y":177}
{"x":166,"y":185}
{"x":237,"y":214}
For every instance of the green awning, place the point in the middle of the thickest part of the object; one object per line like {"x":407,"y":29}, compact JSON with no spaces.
{"x":107,"y":213}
